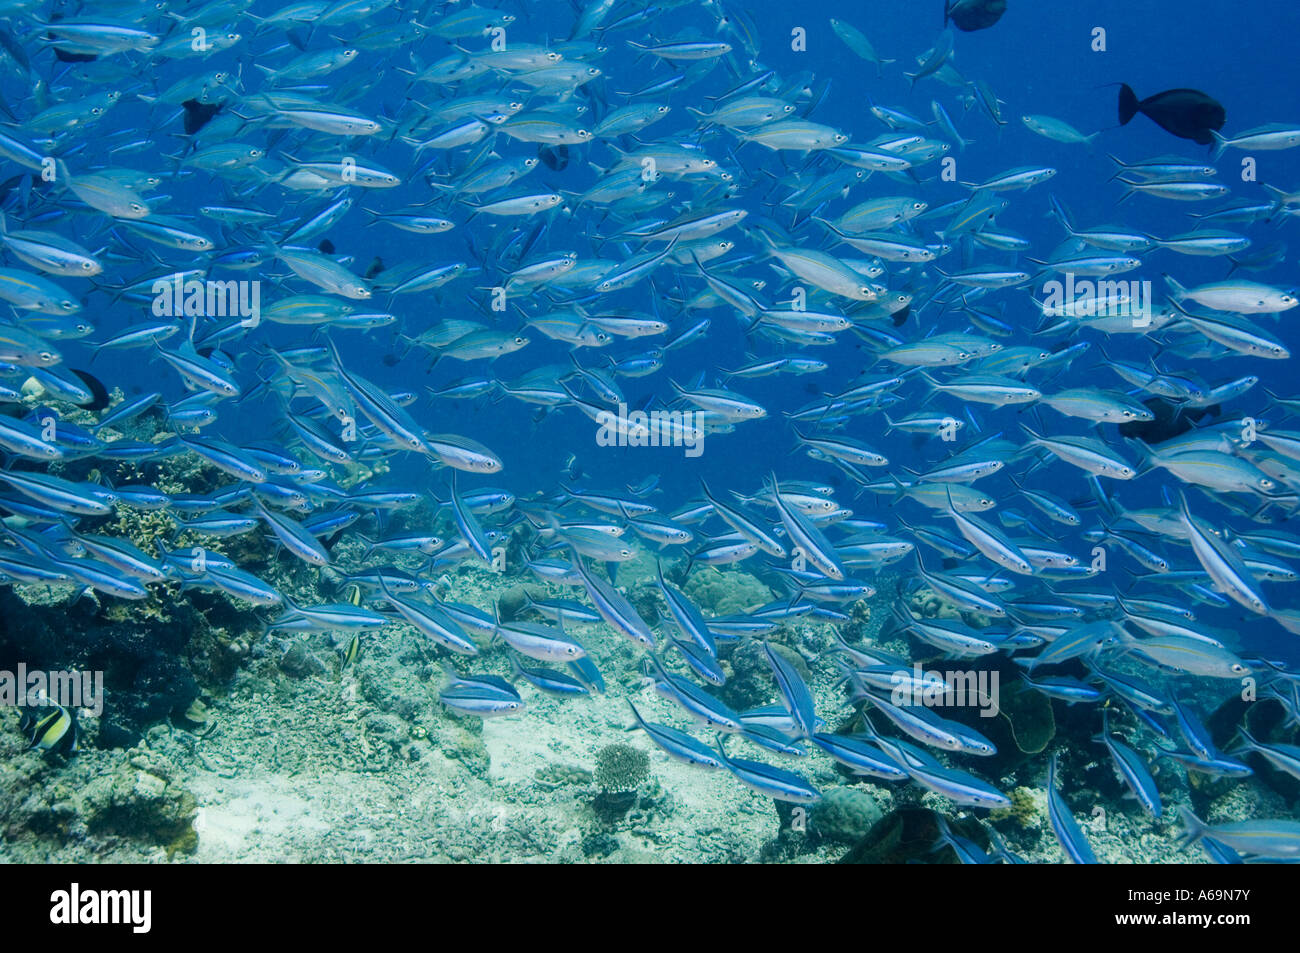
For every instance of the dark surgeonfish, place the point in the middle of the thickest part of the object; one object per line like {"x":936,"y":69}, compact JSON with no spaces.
{"x":1186,"y":113}
{"x":972,"y":15}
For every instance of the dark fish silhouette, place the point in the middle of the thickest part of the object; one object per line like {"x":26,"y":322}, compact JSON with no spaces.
{"x":96,"y":388}
{"x":63,"y":56}
{"x":198,"y":115}
{"x":1186,"y":113}
{"x":376,"y":268}
{"x":1171,"y":421}
{"x":326,"y":246}
{"x":972,"y":15}
{"x":555,"y":157}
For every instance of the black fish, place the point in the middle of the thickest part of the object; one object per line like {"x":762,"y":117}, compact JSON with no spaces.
{"x":555,"y":157}
{"x":96,"y":388}
{"x":53,"y":729}
{"x":972,"y":15}
{"x":900,"y":317}
{"x":198,"y":115}
{"x":376,"y":267}
{"x":1186,"y":113}
{"x":326,"y":246}
{"x":1171,"y":421}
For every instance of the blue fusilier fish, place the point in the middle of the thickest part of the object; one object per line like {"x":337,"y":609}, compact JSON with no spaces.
{"x":613,"y":606}
{"x":1067,"y":829}
{"x":747,"y":527}
{"x":1264,"y":839}
{"x":961,"y":786}
{"x":701,"y":662}
{"x":545,"y":643}
{"x":341,"y":617}
{"x":928,"y":728}
{"x":774,"y":740}
{"x":433,"y":622}
{"x":775,"y":717}
{"x":1129,"y":766}
{"x":585,"y":670}
{"x":967,"y":851}
{"x":678,"y":744}
{"x":1216,"y":766}
{"x":472,"y":620}
{"x":468,"y":525}
{"x":767,"y":780}
{"x":561,"y":610}
{"x":1001,"y":849}
{"x":549,"y":680}
{"x":1284,"y":757}
{"x":1064,"y":688}
{"x":860,"y":756}
{"x":1135,"y":691}
{"x":686,"y":615}
{"x":695,"y":701}
{"x":798,"y":699}
{"x":807,"y":538}
{"x":294,"y":537}
{"x":1193,"y":730}
{"x":483,"y":696}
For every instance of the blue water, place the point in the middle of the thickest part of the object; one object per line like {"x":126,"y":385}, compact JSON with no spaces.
{"x":1038,"y":60}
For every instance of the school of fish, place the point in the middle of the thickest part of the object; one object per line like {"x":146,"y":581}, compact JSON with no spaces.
{"x":1100,"y":522}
